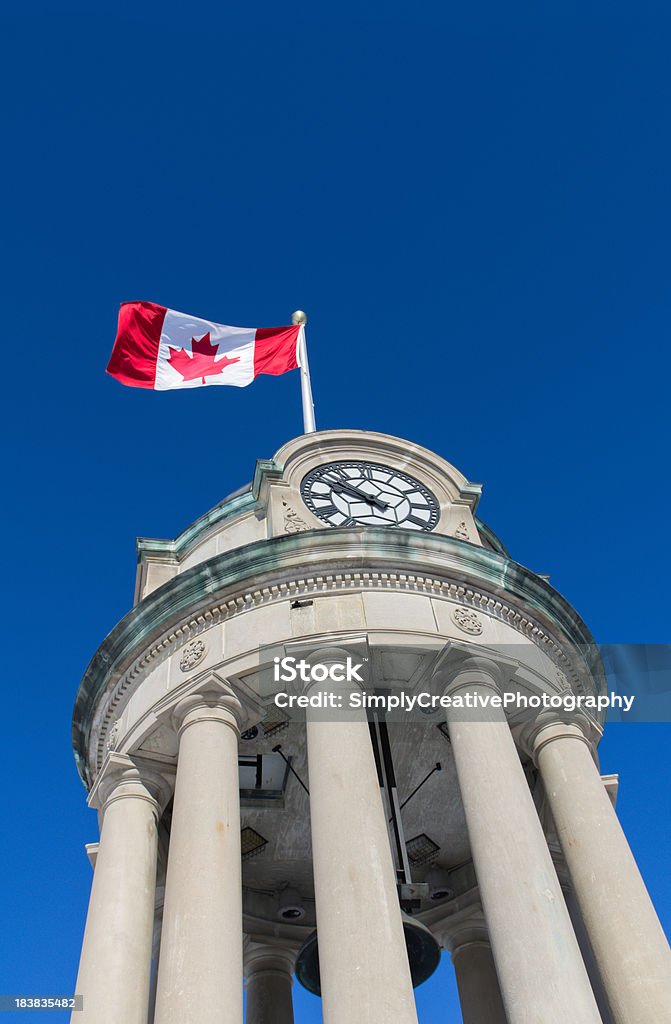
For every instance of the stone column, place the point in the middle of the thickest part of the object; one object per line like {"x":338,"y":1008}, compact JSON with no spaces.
{"x":115,"y":961}
{"x":479,"y":992}
{"x":364,"y":969}
{"x":627,"y":940}
{"x":586,"y":950}
{"x":200,"y":968}
{"x":268,"y":981}
{"x":538,"y":962}
{"x":155,"y":951}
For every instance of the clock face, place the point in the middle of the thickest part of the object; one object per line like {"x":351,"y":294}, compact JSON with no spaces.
{"x":369,"y":494}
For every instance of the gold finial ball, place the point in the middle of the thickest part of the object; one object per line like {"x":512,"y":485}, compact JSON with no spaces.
{"x":299,"y":317}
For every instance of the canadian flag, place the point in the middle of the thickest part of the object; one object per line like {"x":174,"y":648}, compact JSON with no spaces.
{"x":161,"y":349}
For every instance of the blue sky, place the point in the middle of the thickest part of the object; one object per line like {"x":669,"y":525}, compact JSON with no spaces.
{"x":472,"y":204}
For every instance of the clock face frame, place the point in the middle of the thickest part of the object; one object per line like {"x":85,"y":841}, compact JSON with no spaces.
{"x":359,"y":493}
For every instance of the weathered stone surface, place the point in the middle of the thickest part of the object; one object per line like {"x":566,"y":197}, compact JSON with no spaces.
{"x":260,"y":570}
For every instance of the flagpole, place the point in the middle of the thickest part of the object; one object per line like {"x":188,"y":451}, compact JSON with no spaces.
{"x":309,"y":426}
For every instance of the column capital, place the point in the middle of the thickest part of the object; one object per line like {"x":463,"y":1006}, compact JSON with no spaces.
{"x":266,"y":957}
{"x":331,"y":656}
{"x":473,"y":671}
{"x":465,"y":928}
{"x":549,"y":726}
{"x":351,"y":652}
{"x":215,"y":704}
{"x":125,"y":777}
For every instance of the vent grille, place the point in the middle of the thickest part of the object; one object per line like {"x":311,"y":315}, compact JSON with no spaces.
{"x":274,"y":722}
{"x":253,"y":843}
{"x":421,"y":849}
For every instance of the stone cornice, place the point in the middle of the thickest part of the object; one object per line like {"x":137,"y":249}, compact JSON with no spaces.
{"x":250,"y":499}
{"x":247,"y":499}
{"x":490,"y":537}
{"x":321,"y":560}
{"x":175,"y":550}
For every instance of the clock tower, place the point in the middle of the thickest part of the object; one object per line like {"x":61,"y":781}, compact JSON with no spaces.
{"x":242,"y":843}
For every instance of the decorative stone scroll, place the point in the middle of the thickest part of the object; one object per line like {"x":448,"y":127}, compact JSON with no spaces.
{"x":113,"y":736}
{"x":292,"y":521}
{"x":562,"y":681}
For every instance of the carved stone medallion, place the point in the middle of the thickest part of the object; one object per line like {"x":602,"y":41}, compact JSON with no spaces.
{"x":192,"y":654}
{"x":467,"y":620}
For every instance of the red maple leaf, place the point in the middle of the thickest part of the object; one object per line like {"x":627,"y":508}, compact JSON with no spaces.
{"x":201,"y":363}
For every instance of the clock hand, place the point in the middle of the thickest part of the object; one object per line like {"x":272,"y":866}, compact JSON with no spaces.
{"x":370,"y":499}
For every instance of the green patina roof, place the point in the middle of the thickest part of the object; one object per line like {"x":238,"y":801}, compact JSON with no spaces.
{"x":288,"y":556}
{"x":246,"y":498}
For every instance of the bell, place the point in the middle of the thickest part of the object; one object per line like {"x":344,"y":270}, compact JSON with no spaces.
{"x":423,"y":955}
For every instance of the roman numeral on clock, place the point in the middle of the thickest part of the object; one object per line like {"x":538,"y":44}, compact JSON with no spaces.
{"x":359,"y":493}
{"x":416,"y":521}
{"x":326,"y":510}
{"x":336,"y":472}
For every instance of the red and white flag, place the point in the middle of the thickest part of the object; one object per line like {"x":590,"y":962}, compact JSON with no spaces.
{"x":161,"y":349}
